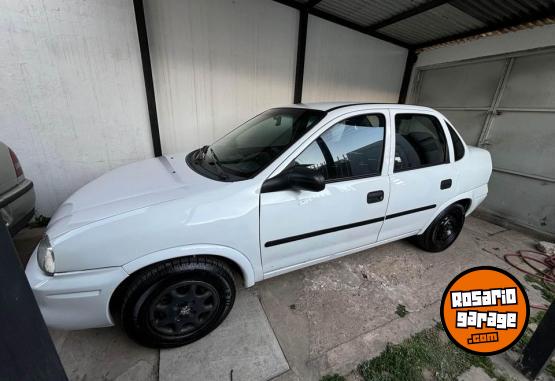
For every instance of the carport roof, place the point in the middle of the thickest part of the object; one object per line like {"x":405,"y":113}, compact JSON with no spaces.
{"x":418,"y":24}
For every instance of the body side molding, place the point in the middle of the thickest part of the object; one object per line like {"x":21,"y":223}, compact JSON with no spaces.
{"x":343,"y":227}
{"x":323,"y":231}
{"x":404,"y":213}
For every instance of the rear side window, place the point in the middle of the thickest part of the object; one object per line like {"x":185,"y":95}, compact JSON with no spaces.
{"x":419,"y":142}
{"x":352,"y":148}
{"x":458,"y":145}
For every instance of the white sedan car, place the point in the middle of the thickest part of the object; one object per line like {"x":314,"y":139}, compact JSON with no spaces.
{"x":156,"y":246}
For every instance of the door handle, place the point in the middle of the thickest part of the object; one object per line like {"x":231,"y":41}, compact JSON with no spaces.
{"x":375,"y":196}
{"x":445,"y":184}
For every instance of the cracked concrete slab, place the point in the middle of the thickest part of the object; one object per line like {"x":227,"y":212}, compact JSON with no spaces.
{"x":330,"y":317}
{"x":104,"y":354}
{"x":346,"y":356}
{"x":243,"y":347}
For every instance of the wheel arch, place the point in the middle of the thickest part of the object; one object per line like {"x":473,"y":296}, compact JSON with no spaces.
{"x":238,"y":263}
{"x":236,"y":260}
{"x":466,"y":203}
{"x":464,"y":200}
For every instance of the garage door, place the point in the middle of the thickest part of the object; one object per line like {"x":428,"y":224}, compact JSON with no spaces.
{"x":506,"y":105}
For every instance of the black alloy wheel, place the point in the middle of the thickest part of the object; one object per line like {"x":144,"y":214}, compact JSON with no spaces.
{"x":183,"y":308}
{"x":174,"y":303}
{"x":444,"y":230}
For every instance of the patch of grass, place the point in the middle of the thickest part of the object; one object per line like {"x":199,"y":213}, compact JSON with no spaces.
{"x":525,"y":339}
{"x":333,"y":377}
{"x":428,"y":354}
{"x":550,"y":368}
{"x":537,"y":317}
{"x":39,"y":221}
{"x":401,"y":310}
{"x":548,"y":293}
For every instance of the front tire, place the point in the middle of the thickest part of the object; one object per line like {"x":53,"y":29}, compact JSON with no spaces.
{"x":176,"y":302}
{"x":443,"y":230}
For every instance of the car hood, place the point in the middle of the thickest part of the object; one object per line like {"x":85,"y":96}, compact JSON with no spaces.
{"x":129,"y":188}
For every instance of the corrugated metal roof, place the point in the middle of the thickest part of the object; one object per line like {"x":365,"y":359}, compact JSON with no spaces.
{"x":494,"y":11}
{"x":421,"y":23}
{"x":366,"y":12}
{"x":438,"y":22}
{"x":528,"y":25}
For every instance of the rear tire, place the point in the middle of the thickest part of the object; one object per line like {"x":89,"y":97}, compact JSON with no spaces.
{"x":176,"y":302}
{"x":443,"y":230}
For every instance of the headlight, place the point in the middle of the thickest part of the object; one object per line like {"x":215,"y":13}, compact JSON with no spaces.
{"x":45,"y":256}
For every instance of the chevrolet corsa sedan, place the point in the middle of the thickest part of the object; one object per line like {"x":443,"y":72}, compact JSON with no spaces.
{"x":157,"y":246}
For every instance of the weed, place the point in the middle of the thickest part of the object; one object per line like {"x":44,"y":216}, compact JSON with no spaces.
{"x":550,"y":368}
{"x":425,"y":352}
{"x":39,"y":221}
{"x":525,"y":339}
{"x":401,"y":310}
{"x":547,"y":292}
{"x":333,"y":377}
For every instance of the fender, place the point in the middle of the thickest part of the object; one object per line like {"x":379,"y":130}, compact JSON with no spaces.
{"x":467,"y":195}
{"x":242,"y":262}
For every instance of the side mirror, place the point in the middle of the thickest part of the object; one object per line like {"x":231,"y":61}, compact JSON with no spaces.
{"x":295,"y":178}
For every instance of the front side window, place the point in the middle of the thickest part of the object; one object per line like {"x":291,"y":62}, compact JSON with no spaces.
{"x":251,"y":147}
{"x":419,"y":142}
{"x":349,"y":149}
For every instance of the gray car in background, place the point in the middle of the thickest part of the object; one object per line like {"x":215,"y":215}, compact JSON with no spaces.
{"x":17,"y":196}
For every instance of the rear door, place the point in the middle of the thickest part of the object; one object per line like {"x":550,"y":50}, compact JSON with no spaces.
{"x":298,"y":227}
{"x":422,"y":176}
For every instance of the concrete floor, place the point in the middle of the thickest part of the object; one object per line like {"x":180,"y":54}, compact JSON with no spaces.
{"x":326,"y":318}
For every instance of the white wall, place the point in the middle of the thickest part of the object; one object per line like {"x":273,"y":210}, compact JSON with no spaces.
{"x":344,"y":65}
{"x":72,"y":95}
{"x":72,"y":91}
{"x":217,"y":63}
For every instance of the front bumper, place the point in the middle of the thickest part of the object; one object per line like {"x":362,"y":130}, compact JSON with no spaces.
{"x":74,"y":300}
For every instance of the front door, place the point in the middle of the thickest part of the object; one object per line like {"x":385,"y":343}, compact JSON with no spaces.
{"x":298,"y":227}
{"x":422,"y":177}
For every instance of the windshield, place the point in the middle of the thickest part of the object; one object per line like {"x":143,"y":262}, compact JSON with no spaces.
{"x":251,"y":147}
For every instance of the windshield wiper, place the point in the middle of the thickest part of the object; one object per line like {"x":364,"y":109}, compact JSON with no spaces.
{"x":218,"y":164}
{"x":201,"y":153}
{"x":215,"y":156}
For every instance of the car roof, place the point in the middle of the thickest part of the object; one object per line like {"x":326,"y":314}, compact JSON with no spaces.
{"x":354,"y":106}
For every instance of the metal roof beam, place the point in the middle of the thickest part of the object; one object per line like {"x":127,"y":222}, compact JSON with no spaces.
{"x":301,"y":55}
{"x":409,"y":65}
{"x":312,"y":3}
{"x":406,"y":14}
{"x":340,"y":21}
{"x":147,"y":75}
